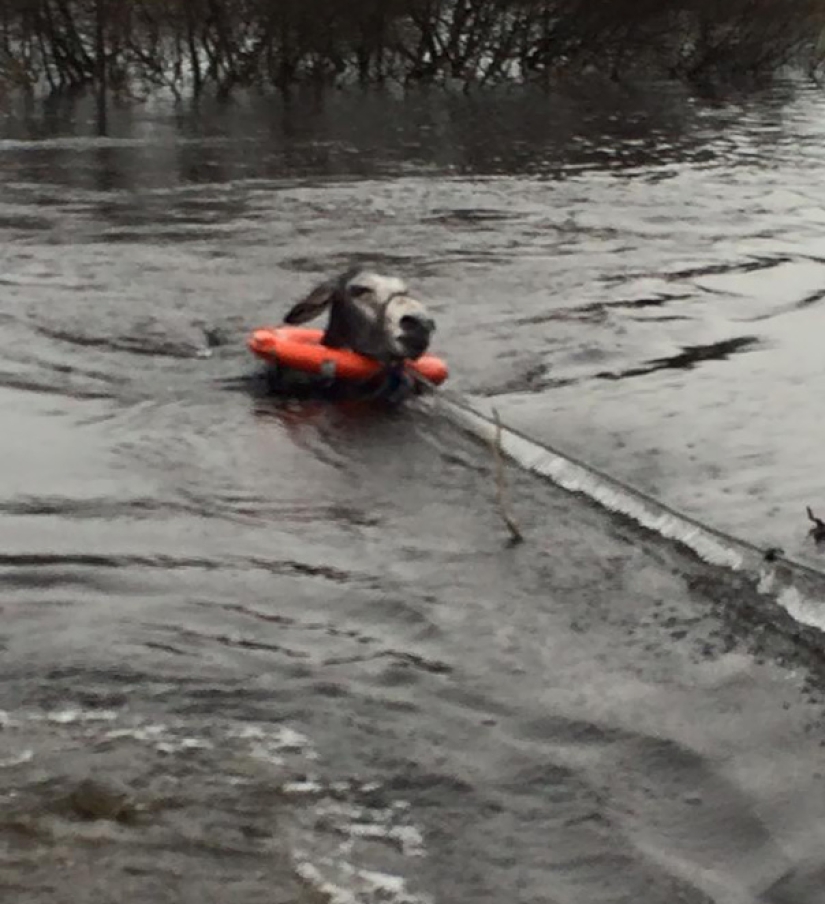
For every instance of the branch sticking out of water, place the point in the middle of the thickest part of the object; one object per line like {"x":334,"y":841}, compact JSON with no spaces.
{"x":516,"y":536}
{"x":818,"y":530}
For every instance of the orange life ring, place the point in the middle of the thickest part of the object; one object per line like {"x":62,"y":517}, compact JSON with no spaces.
{"x":300,"y":348}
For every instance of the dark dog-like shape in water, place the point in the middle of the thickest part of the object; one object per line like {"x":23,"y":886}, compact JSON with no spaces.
{"x":371,"y":314}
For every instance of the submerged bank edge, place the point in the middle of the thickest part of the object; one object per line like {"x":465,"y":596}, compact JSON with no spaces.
{"x":796,"y":592}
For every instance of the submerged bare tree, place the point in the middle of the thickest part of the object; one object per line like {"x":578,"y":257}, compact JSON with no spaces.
{"x":193,"y":45}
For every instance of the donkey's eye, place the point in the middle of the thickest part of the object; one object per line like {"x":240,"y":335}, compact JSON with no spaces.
{"x":358,"y":291}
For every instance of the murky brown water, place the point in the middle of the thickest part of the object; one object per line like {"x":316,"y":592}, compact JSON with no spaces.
{"x":257,"y":652}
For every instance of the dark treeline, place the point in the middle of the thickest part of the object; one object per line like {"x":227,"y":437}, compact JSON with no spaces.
{"x":195,"y":45}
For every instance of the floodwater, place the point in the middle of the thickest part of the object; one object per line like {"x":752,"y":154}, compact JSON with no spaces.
{"x":258,"y":651}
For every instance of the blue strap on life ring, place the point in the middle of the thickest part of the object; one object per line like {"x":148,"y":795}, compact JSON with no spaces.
{"x":328,"y":372}
{"x":394,"y":385}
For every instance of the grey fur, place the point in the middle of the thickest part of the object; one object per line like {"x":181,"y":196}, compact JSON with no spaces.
{"x":368,"y":313}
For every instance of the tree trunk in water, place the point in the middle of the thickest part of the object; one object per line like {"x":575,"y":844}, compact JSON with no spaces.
{"x":100,"y":66}
{"x":194,"y":56}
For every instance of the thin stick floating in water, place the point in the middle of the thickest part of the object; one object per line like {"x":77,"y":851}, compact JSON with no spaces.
{"x":516,"y":536}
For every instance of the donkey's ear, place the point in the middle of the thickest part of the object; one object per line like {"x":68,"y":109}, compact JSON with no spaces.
{"x":318,"y":300}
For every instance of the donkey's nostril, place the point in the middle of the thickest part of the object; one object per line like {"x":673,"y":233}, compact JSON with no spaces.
{"x":416,"y":324}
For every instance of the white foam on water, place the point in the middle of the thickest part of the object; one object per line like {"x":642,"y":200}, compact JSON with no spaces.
{"x":181,"y":745}
{"x":373,"y":823}
{"x":408,"y":838}
{"x":303,"y":787}
{"x":73,"y":714}
{"x":276,"y":744}
{"x":346,"y":837}
{"x":339,"y":862}
{"x":25,"y":756}
{"x":356,"y":886}
{"x":336,"y":836}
